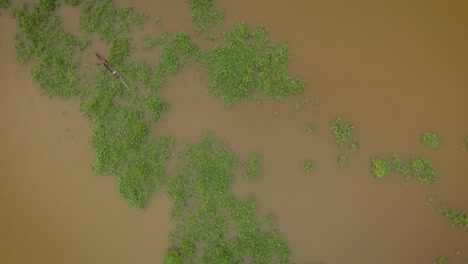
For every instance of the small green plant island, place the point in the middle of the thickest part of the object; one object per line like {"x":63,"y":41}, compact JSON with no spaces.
{"x":430,"y":140}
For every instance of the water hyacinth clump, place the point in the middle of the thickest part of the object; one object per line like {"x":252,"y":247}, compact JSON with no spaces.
{"x":430,"y":139}
{"x":344,"y":134}
{"x":415,"y":167}
{"x":246,"y":63}
{"x":457,"y":218}
{"x":217,"y":227}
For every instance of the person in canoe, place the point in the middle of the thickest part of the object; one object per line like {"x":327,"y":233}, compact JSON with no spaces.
{"x":115,"y":73}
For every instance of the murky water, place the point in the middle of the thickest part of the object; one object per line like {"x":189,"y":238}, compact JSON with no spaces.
{"x":394,"y":70}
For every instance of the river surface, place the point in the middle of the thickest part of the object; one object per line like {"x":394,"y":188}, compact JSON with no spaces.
{"x":392,"y":68}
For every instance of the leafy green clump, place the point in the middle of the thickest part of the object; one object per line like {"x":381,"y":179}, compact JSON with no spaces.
{"x":177,"y":51}
{"x":42,"y":38}
{"x":206,"y":16}
{"x":343,"y":132}
{"x":380,"y":168}
{"x":247,"y":62}
{"x":457,"y":218}
{"x":252,"y":172}
{"x":307,"y":166}
{"x":5,"y":4}
{"x":430,"y":139}
{"x":310,"y":127}
{"x":416,"y":167}
{"x":342,"y":161}
{"x":121,"y":141}
{"x":441,"y":260}
{"x":211,"y":225}
{"x":107,"y":20}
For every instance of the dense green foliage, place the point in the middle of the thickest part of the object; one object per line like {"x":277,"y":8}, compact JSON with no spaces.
{"x":457,"y":218}
{"x":211,"y":225}
{"x":122,"y":143}
{"x":108,"y":21}
{"x":120,"y":134}
{"x":246,"y":63}
{"x":416,"y":167}
{"x":380,"y":168}
{"x":430,"y":139}
{"x":43,"y":39}
{"x":206,"y":16}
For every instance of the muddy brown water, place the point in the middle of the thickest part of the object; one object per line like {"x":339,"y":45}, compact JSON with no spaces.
{"x":393,"y":69}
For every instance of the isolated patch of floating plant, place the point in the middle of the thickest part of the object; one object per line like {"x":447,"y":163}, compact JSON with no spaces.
{"x":441,"y":260}
{"x":344,"y":136}
{"x":342,"y":161}
{"x":211,"y":225}
{"x":310,"y":127}
{"x":307,"y":166}
{"x":430,"y":139}
{"x":380,"y":168}
{"x":458,"y":218}
{"x":417,"y":167}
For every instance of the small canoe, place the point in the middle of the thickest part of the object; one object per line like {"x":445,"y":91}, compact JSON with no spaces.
{"x":114,"y":72}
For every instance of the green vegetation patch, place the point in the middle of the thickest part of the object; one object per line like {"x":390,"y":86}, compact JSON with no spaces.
{"x":211,"y":225}
{"x":430,"y":139}
{"x":380,"y":168}
{"x":417,"y":167}
{"x":307,"y":166}
{"x":247,"y":62}
{"x":342,"y":161}
{"x":252,"y":171}
{"x":310,"y":127}
{"x":178,"y":50}
{"x":43,"y":39}
{"x":122,"y":143}
{"x":457,"y":218}
{"x":441,"y":260}
{"x":5,"y":4}
{"x":107,"y":20}
{"x":344,"y":135}
{"x":120,"y":125}
{"x":120,"y":136}
{"x":206,"y":16}
{"x":343,"y":132}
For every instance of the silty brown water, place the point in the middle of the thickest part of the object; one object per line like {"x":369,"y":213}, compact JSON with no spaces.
{"x":394,"y":70}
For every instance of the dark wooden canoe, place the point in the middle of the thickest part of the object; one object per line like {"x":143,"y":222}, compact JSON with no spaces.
{"x":114,"y":72}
